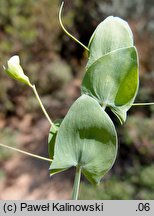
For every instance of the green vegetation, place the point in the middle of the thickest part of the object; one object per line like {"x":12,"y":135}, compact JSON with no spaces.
{"x":135,"y":184}
{"x":26,"y":29}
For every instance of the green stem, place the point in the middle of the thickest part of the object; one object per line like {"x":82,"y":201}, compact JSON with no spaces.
{"x":76,"y":183}
{"x":60,"y":20}
{"x":26,"y":153}
{"x":42,"y":107}
{"x":143,"y":104}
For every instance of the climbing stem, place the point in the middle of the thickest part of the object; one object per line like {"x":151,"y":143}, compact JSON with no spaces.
{"x":76,"y":183}
{"x":26,"y":153}
{"x":143,"y":104}
{"x":60,"y":20}
{"x":42,"y":107}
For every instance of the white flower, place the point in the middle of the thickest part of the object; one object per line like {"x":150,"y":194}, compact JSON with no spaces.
{"x":15,"y":71}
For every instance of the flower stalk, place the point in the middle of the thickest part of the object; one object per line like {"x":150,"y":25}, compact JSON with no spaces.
{"x":42,"y":107}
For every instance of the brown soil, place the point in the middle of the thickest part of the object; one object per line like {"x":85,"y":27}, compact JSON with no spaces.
{"x":27,"y":177}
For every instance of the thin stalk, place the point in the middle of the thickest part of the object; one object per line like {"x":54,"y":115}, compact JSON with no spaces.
{"x":42,"y":107}
{"x":143,"y":104}
{"x":26,"y":153}
{"x":76,"y":183}
{"x":60,"y":20}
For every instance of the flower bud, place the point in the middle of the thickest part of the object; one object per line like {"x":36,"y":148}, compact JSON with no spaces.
{"x":15,"y":71}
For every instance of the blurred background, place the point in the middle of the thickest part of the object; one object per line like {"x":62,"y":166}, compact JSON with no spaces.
{"x":56,"y":64}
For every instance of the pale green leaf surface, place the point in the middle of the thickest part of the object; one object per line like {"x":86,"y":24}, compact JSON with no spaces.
{"x":52,"y":137}
{"x":111,"y":34}
{"x":86,"y":138}
{"x":113,"y":80}
{"x":51,"y":142}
